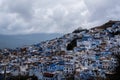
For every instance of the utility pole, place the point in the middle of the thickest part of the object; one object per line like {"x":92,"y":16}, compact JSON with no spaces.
{"x":4,"y":72}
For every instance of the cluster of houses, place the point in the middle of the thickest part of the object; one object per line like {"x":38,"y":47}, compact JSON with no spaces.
{"x":92,"y":57}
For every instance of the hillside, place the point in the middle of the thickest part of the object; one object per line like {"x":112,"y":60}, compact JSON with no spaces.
{"x":80,"y":55}
{"x":103,"y":27}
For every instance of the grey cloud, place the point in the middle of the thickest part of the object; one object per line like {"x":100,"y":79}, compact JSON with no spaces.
{"x":21,"y":7}
{"x":46,"y":16}
{"x":100,"y":10}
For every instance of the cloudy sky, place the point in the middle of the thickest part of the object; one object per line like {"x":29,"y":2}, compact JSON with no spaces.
{"x":55,"y":16}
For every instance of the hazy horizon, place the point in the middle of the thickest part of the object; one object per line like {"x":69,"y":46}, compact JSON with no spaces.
{"x":13,"y":41}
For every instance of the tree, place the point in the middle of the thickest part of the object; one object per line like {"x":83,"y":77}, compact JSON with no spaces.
{"x":116,"y":75}
{"x":72,"y":44}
